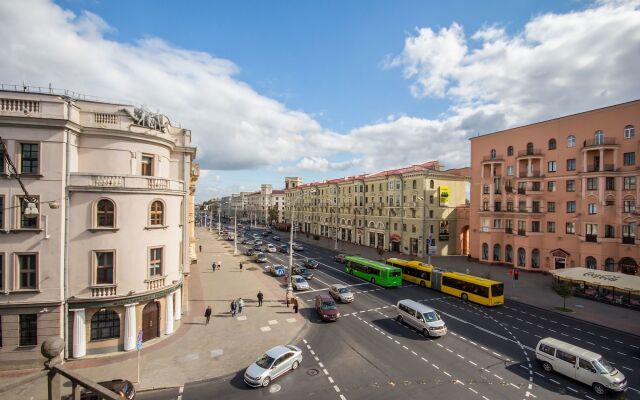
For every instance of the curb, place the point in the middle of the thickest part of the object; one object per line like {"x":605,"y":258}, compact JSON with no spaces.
{"x":157,"y":388}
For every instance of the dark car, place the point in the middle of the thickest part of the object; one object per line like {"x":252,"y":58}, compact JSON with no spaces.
{"x":303,"y":272}
{"x":246,"y":241}
{"x":257,"y":247}
{"x":266,"y":233}
{"x":269,"y":231}
{"x":327,"y":308}
{"x":121,"y":387}
{"x":339,"y":258}
{"x":276,"y":238}
{"x":283,"y":248}
{"x":250,"y":252}
{"x":310,"y":263}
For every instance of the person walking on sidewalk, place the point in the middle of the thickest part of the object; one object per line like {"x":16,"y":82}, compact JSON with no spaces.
{"x":234,"y":307}
{"x":294,"y":301}
{"x":219,"y":264}
{"x":260,"y":297}
{"x":240,"y":266}
{"x":240,"y":305}
{"x":213,"y":266}
{"x":200,"y":248}
{"x":207,"y":315}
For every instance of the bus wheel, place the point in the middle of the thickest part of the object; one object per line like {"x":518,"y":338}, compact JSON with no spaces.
{"x":464,"y":297}
{"x":423,"y":284}
{"x":373,"y":280}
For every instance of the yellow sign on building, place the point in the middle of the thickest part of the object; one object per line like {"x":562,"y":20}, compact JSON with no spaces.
{"x":444,"y":195}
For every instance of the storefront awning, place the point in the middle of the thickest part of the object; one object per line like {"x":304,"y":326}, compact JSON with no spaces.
{"x":616,"y":280}
{"x":394,"y":237}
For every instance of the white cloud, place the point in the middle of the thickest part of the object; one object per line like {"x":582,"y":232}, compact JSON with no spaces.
{"x":320,"y":164}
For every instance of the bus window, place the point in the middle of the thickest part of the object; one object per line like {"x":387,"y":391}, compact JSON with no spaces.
{"x":395,"y":273}
{"x":497,"y":289}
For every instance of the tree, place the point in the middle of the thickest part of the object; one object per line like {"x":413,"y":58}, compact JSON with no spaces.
{"x":564,"y":291}
{"x":273,"y":214}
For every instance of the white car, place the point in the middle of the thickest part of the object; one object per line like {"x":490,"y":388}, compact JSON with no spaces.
{"x":299,"y":283}
{"x":272,"y":364}
{"x":341,"y":292}
{"x":271,"y":248}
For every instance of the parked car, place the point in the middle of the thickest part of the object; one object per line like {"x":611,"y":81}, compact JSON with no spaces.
{"x":341,"y":292}
{"x":339,"y":258}
{"x":297,"y":247}
{"x":272,"y":364}
{"x":250,"y":252}
{"x":311,"y":263}
{"x":303,"y":272}
{"x":424,"y":318}
{"x":278,"y":270}
{"x":121,"y":387}
{"x":275,"y":238}
{"x":299,"y":283}
{"x":259,"y":257}
{"x":327,"y":308}
{"x":270,"y":248}
{"x":231,"y":237}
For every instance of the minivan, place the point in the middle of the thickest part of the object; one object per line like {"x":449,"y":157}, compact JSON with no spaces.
{"x":582,"y":365}
{"x":327,"y":308}
{"x":425,"y":319}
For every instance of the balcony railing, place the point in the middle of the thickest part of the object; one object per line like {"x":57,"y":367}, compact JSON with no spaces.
{"x":591,"y":238}
{"x":600,"y":142}
{"x":508,"y":230}
{"x":155,"y":283}
{"x":531,"y":152}
{"x":522,"y":191}
{"x":125,"y":182}
{"x":103,"y":291}
{"x":522,"y":232}
{"x":531,"y":174}
{"x":508,"y":189}
{"x":596,"y":168}
{"x":497,"y":158}
{"x":628,"y":240}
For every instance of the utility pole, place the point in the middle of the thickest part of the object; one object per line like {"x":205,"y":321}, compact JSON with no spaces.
{"x":218,"y":220}
{"x":235,"y":230}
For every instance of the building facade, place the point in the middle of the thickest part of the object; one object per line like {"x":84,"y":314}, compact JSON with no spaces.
{"x":560,"y":193}
{"x":112,"y":258}
{"x":396,"y":210}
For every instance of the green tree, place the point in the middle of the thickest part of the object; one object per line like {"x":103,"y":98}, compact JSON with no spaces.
{"x":273,"y":214}
{"x":564,"y":291}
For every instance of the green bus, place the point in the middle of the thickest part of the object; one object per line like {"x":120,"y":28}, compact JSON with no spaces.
{"x":373,"y":271}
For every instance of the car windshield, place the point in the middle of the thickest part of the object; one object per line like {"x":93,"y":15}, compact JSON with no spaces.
{"x":343,"y":290}
{"x":300,"y":280}
{"x":265,"y":362}
{"x":329,"y":306}
{"x":603,"y":366}
{"x":431,"y":316}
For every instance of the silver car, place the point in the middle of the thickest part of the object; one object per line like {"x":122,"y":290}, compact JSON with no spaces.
{"x":272,"y":364}
{"x":299,"y":283}
{"x":341,"y":292}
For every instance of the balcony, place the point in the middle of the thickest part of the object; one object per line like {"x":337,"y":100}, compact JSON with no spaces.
{"x":497,"y":191}
{"x":124,"y":182}
{"x":522,"y":191}
{"x":497,"y":158}
{"x":508,"y":230}
{"x":600,"y":142}
{"x":628,"y":240}
{"x":596,"y":168}
{"x":103,"y":291}
{"x":155,"y":283}
{"x":530,"y":152}
{"x":522,"y":232}
{"x":531,"y":174}
{"x":591,"y":238}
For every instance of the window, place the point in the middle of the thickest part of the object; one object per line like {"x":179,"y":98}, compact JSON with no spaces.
{"x":609,"y":264}
{"x":629,"y":131}
{"x":28,"y":329}
{"x":497,"y":206}
{"x":551,"y":186}
{"x":535,"y":186}
{"x":629,"y":158}
{"x":628,"y":234}
{"x":28,"y":221}
{"x":1,"y":277}
{"x":492,"y":154}
{"x":551,"y":166}
{"x":629,"y":206}
{"x":1,"y":211}
{"x":571,"y":164}
{"x":105,"y":214}
{"x":485,"y":251}
{"x":415,"y":184}
{"x":566,"y":357}
{"x":535,"y":226}
{"x":497,"y":223}
{"x":529,"y":148}
{"x":522,"y":257}
{"x":570,"y":228}
{"x":552,"y":144}
{"x":29,"y":158}
{"x":551,"y":226}
{"x":431,"y":199}
{"x":509,"y":205}
{"x":28,"y":271}
{"x":591,"y":232}
{"x":535,"y":258}
{"x":571,"y":206}
{"x":590,"y":262}
{"x":156,"y":216}
{"x":592,"y":183}
{"x":508,"y":254}
{"x":592,"y":208}
{"x":609,"y":231}
{"x":629,"y":183}
{"x":496,"y":252}
{"x":146,"y":167}
{"x":610,"y":183}
{"x":599,"y":137}
{"x":105,"y":324}
{"x":431,"y":184}
{"x":155,"y":262}
{"x":510,"y":150}
{"x":571,"y":185}
{"x":547,"y":349}
{"x":104,"y":267}
{"x":485,"y":189}
{"x":535,"y":206}
{"x":571,"y":141}
{"x":551,"y":206}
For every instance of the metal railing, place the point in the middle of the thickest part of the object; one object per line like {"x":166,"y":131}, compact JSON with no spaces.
{"x":599,"y":142}
{"x":59,"y":92}
{"x":529,"y":152}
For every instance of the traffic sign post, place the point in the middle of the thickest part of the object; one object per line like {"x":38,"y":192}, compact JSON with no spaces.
{"x":139,"y":347}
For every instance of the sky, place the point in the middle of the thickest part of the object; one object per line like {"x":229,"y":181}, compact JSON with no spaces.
{"x":325,"y":89}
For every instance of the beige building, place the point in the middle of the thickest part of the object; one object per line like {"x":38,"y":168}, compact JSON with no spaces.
{"x":396,"y":210}
{"x":559,"y":193}
{"x":111,"y":260}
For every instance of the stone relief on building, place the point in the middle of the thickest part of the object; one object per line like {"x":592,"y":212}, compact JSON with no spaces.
{"x":145,"y":118}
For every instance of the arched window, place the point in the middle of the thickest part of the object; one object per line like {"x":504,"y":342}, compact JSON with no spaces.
{"x":105,"y":324}
{"x":522,"y":257}
{"x":431,"y":184}
{"x":156,"y":214}
{"x":415,"y":184}
{"x":609,"y":264}
{"x":535,"y":258}
{"x":105,"y":214}
{"x":529,"y":148}
{"x":496,"y":252}
{"x":492,"y":154}
{"x":510,"y":150}
{"x":571,"y":141}
{"x":590,"y":262}
{"x":552,"y":144}
{"x":508,"y":254}
{"x":485,"y":251}
{"x":629,"y":132}
{"x":599,"y":137}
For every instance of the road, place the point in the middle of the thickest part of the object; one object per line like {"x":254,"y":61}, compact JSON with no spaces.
{"x":487,"y":354}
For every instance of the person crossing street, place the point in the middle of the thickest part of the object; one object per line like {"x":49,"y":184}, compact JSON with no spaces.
{"x":260,"y":297}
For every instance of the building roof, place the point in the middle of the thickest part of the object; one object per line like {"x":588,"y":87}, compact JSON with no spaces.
{"x":277,"y":191}
{"x":413,"y":168}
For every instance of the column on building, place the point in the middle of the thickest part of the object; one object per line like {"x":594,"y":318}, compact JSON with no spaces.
{"x":178,"y":310}
{"x":79,"y":333}
{"x":130,"y":334}
{"x":168,"y":317}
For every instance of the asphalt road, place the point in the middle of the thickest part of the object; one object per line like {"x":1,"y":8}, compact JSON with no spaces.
{"x":487,"y":354}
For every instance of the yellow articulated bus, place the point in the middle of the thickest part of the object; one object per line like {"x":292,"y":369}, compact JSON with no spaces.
{"x":466,"y":287}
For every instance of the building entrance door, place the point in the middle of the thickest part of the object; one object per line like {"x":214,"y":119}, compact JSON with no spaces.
{"x":414,"y":246}
{"x":150,"y":321}
{"x":560,"y":263}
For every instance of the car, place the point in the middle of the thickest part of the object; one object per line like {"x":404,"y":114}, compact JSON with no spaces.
{"x":275,"y":238}
{"x":299,"y":283}
{"x":257,"y":247}
{"x":231,"y":237}
{"x":269,"y":231}
{"x":303,"y":272}
{"x":259,"y":242}
{"x":250,"y":252}
{"x":278,"y":270}
{"x":272,"y":364}
{"x":297,"y":247}
{"x":247,"y":241}
{"x":270,"y":248}
{"x":121,"y":387}
{"x":339,"y":258}
{"x":341,"y":292}
{"x":259,"y":257}
{"x":266,"y":233}
{"x":311,"y":263}
{"x":423,"y":318}
{"x":327,"y":308}
{"x":283,"y":248}
{"x":256,"y":236}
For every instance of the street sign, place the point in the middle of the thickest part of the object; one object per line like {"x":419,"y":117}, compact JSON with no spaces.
{"x":139,"y":340}
{"x":433,"y":250}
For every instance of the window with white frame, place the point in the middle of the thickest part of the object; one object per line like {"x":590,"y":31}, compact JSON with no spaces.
{"x":629,"y":205}
{"x":104,"y":264}
{"x":629,"y":132}
{"x":156,"y":213}
{"x":146,"y":165}
{"x":27,"y":221}
{"x":105,"y":214}
{"x":551,"y":166}
{"x":629,"y":183}
{"x":571,"y":141}
{"x":510,"y":170}
{"x":592,"y":208}
{"x":155,"y":262}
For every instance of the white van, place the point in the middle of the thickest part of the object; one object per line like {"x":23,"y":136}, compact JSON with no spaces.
{"x":580,"y":364}
{"x":423,"y":318}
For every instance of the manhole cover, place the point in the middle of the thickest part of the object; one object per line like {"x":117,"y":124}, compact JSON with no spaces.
{"x":313,"y":371}
{"x":275,"y":388}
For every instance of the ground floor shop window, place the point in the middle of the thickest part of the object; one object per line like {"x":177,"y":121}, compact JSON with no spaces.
{"x":28,"y":329}
{"x":105,"y":324}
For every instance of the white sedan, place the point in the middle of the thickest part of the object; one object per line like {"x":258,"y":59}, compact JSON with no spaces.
{"x":272,"y":364}
{"x":299,"y":283}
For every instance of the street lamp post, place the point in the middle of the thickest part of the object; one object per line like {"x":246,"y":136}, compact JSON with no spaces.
{"x":335,"y":246}
{"x":219,"y":221}
{"x":235,"y":231}
{"x":426,"y":243}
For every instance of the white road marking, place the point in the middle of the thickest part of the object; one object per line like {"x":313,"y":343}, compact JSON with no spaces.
{"x":291,"y":320}
{"x":473,"y":390}
{"x":554,"y":381}
{"x":272,"y":322}
{"x":499,"y":377}
{"x":321,"y":365}
{"x":265,"y":329}
{"x":336,"y":388}
{"x":242,"y":318}
{"x":572,"y":389}
{"x":446,"y":373}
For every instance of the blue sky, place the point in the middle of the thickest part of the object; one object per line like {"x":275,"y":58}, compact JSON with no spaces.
{"x":324,"y":89}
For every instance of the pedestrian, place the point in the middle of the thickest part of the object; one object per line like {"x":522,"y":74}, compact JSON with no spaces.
{"x":468,"y":271}
{"x":207,"y":314}
{"x":240,"y":265}
{"x":295,"y":304}
{"x":213,"y":266}
{"x":200,"y":248}
{"x":234,"y":307}
{"x":260,"y":297}
{"x":219,"y":264}
{"x":240,"y":305}
{"x":515,"y":274}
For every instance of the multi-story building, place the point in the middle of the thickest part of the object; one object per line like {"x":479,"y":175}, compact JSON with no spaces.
{"x":108,"y":254}
{"x":277,"y":203}
{"x":396,"y":210}
{"x":559,"y":193}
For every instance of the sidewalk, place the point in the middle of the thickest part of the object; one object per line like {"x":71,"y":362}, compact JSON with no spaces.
{"x":533,"y":288}
{"x":195,"y":351}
